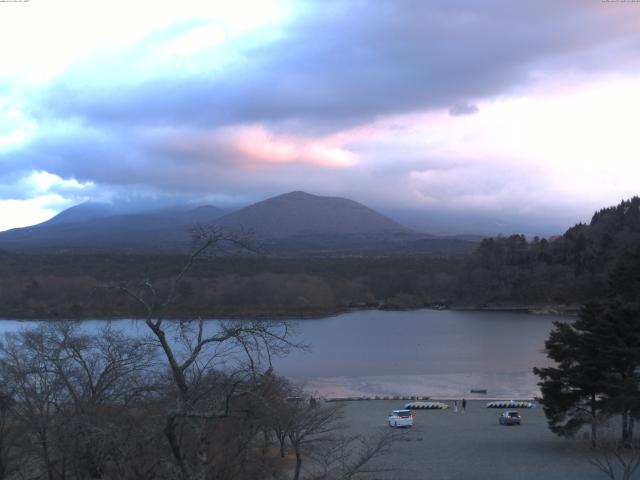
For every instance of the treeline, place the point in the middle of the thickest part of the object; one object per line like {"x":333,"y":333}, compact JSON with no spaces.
{"x":570,"y":269}
{"x":76,"y":286}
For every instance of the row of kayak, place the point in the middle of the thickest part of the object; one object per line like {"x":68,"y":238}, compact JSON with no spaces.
{"x":510,"y":404}
{"x":493,"y":404}
{"x":426,"y":406}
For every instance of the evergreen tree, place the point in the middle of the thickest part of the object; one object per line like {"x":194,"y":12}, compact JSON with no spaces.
{"x":573,"y":391}
{"x":621,"y":339}
{"x":617,"y":328}
{"x":597,"y":357}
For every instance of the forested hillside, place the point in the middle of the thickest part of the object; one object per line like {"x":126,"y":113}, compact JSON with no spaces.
{"x":568,"y":269}
{"x":57,"y":286}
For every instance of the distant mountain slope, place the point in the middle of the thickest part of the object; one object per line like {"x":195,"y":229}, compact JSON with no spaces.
{"x":300,"y":213}
{"x":89,"y":228}
{"x":82,"y":212}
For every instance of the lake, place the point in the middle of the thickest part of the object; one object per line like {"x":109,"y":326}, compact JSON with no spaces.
{"x":437,"y":353}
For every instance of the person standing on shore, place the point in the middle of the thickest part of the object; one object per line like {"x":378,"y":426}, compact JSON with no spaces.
{"x":464,"y":405}
{"x":455,"y":406}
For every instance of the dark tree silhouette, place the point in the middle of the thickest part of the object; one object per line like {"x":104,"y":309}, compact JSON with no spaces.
{"x":597,"y":372}
{"x":572,"y":391}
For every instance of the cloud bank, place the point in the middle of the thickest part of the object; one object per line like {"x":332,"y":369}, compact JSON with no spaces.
{"x":426,"y":106}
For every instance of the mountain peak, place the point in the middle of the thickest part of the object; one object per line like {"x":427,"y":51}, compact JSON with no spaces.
{"x":295,"y":195}
{"x":301,"y":213}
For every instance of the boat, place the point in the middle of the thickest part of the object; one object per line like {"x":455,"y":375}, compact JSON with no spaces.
{"x":478,"y":390}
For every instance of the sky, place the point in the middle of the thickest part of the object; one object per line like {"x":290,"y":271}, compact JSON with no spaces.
{"x":453,"y":116}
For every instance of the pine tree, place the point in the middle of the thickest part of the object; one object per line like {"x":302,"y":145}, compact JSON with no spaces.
{"x":597,"y":372}
{"x":573,"y":391}
{"x":620,"y":338}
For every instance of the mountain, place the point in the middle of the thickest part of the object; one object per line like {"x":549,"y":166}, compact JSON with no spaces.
{"x":95,"y":210}
{"x":300,"y":213}
{"x":82,"y":212}
{"x":293,"y":224}
{"x":94,"y":227}
{"x":301,"y":224}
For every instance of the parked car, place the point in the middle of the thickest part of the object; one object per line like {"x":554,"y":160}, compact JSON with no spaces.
{"x":510,"y":418}
{"x":401,"y":418}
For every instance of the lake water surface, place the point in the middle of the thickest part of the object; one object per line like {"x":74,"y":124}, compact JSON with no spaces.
{"x":422,"y":352}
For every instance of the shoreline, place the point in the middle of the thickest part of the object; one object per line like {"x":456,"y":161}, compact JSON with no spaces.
{"x":470,"y":398}
{"x":545,"y":309}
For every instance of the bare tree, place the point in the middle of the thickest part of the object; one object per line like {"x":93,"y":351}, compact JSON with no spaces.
{"x":617,"y":459}
{"x":106,"y":368}
{"x":10,"y":434}
{"x":281,"y":410}
{"x":310,"y":427}
{"x":317,"y":434}
{"x":346,"y":457}
{"x":37,"y":394}
{"x":71,"y":389}
{"x":194,"y":349}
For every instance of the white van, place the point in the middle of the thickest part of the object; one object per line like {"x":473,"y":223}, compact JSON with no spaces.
{"x":401,"y":418}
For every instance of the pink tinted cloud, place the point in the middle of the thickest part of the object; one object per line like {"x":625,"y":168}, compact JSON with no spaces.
{"x":254,"y":145}
{"x":260,"y":146}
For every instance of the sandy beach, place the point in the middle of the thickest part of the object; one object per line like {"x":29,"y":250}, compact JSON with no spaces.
{"x":450,"y":385}
{"x":471,"y":445}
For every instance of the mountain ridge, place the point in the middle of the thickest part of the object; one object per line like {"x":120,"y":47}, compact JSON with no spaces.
{"x":293,"y":223}
{"x":167,"y":227}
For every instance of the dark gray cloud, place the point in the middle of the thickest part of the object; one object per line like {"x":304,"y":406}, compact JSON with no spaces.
{"x":463,"y":108}
{"x":344,"y":63}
